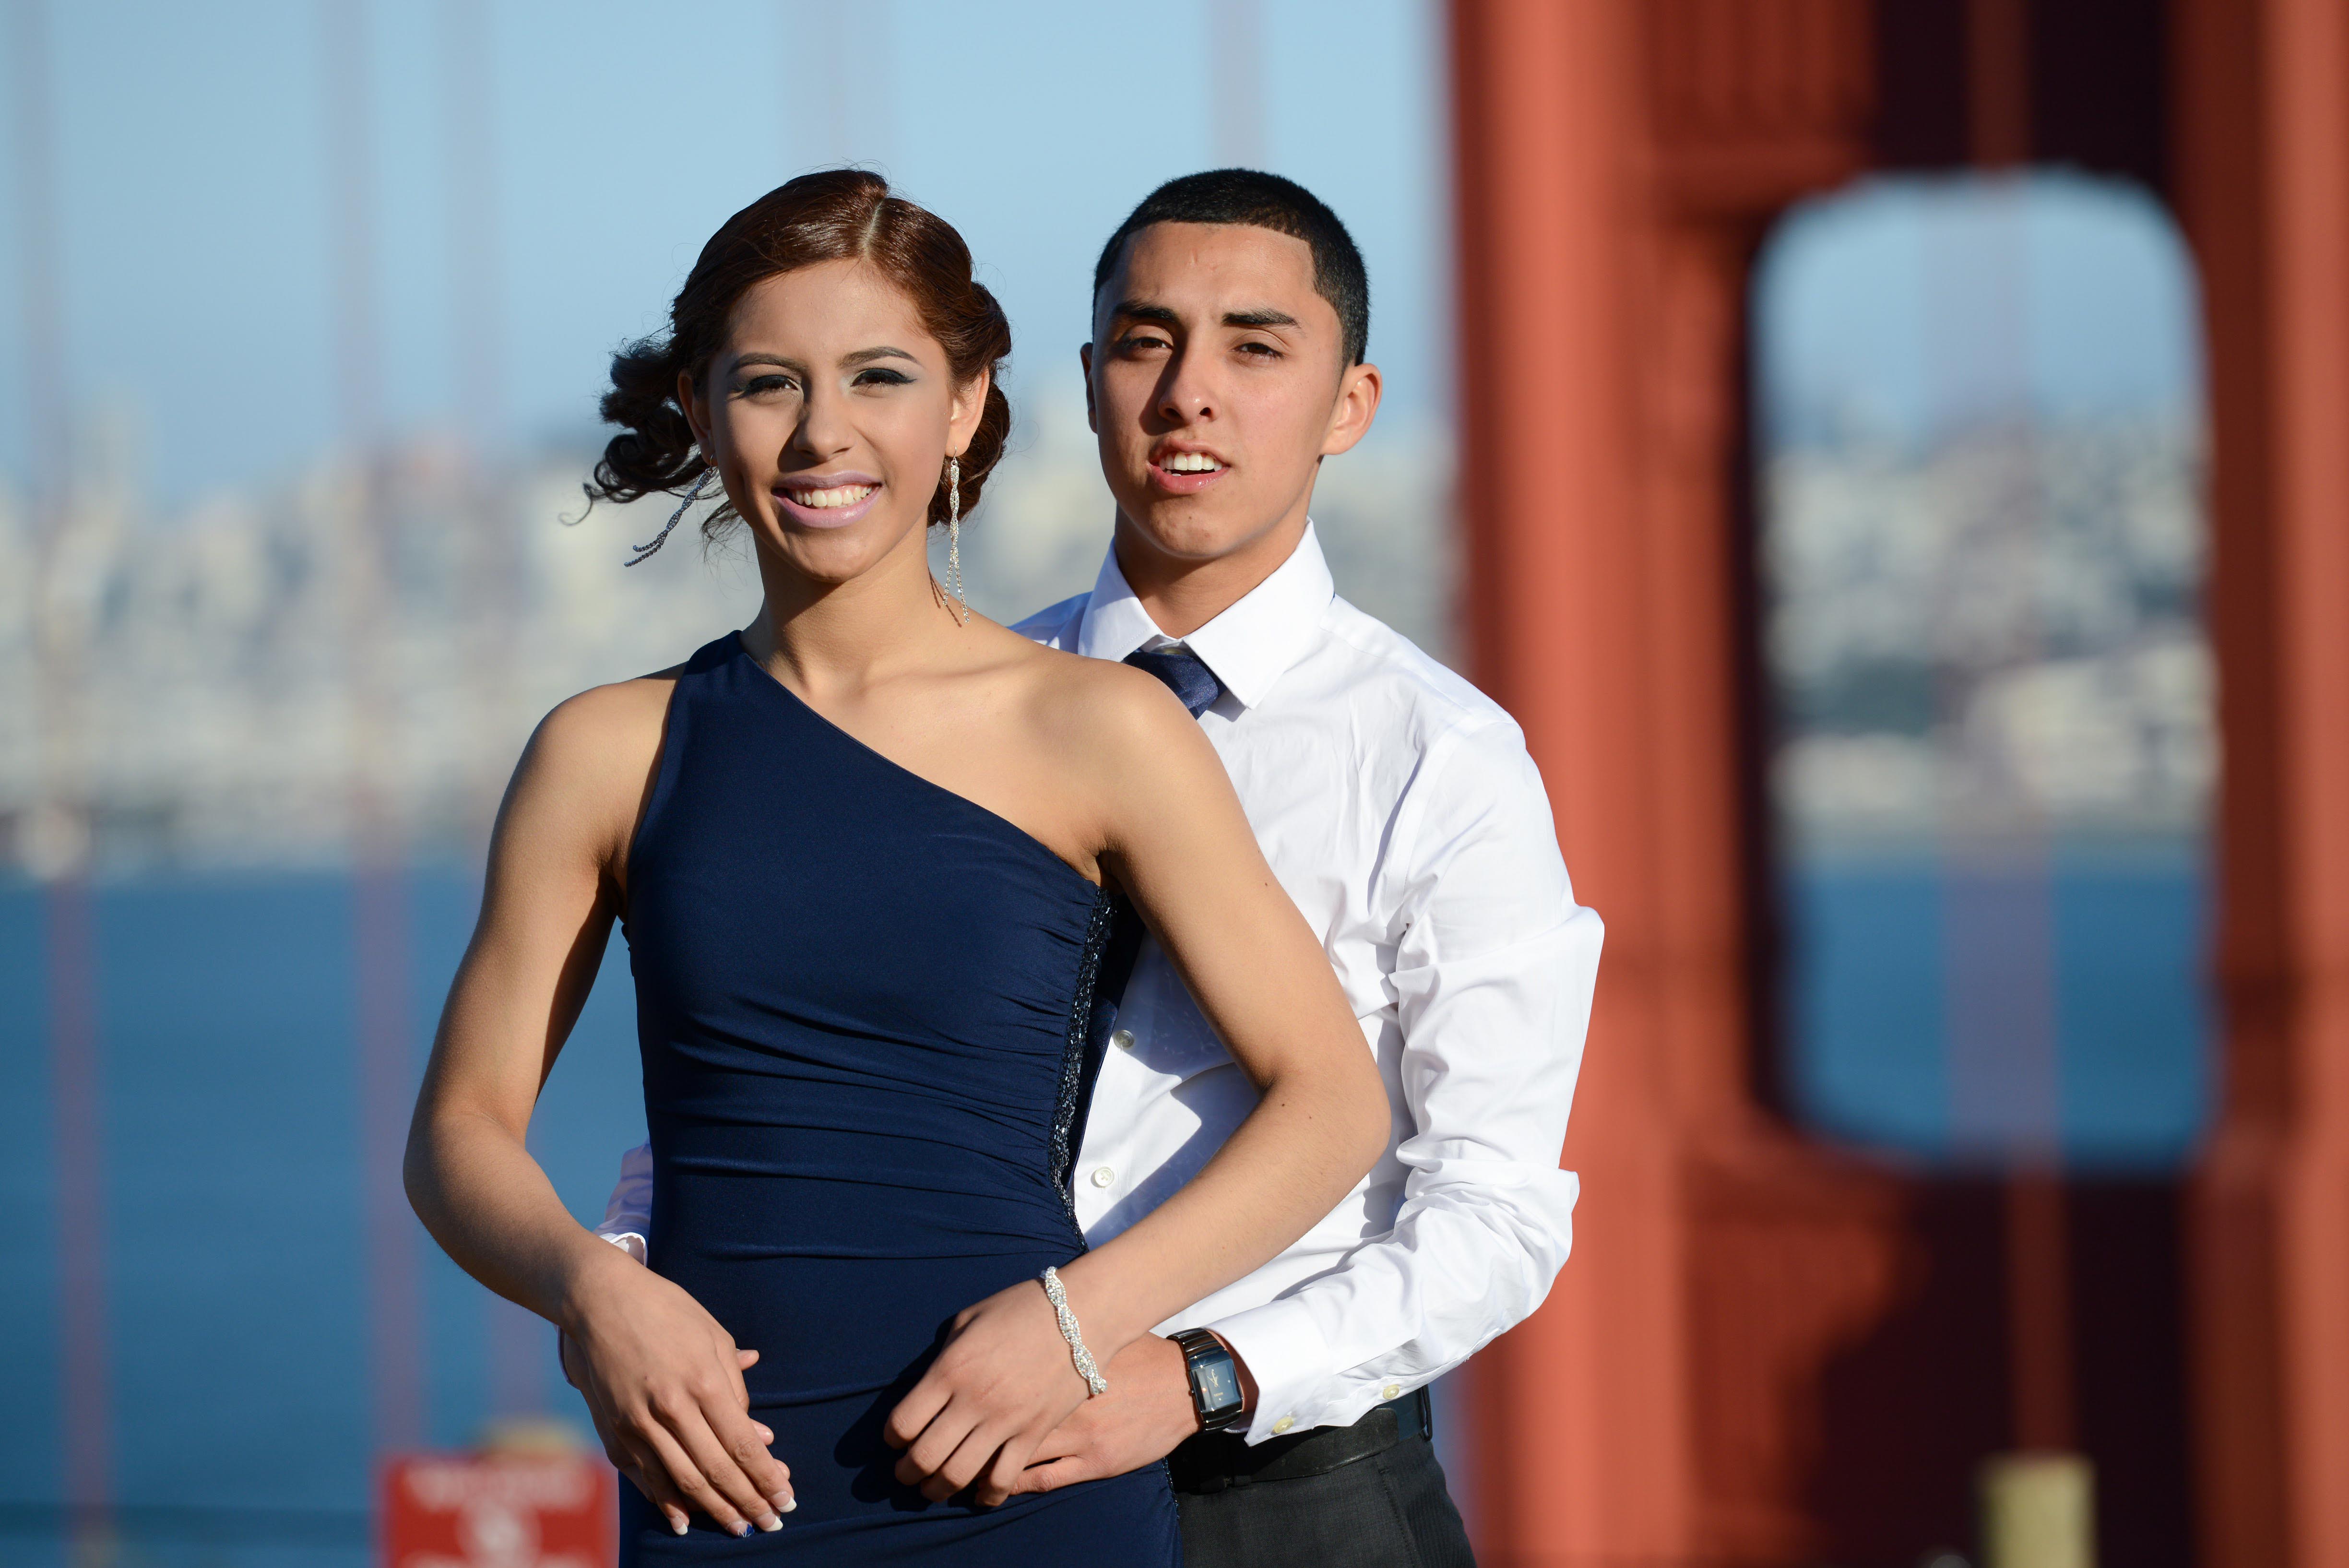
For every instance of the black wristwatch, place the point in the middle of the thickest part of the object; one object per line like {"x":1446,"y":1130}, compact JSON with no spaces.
{"x":1214,"y":1379}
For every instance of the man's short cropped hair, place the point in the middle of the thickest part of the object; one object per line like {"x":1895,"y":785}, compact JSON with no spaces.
{"x":1266,"y":201}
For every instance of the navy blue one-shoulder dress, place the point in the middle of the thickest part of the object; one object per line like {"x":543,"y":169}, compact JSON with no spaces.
{"x":862,"y":1000}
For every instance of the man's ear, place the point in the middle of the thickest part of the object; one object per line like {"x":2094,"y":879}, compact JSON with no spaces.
{"x":1358,"y":404}
{"x":1085,"y":363}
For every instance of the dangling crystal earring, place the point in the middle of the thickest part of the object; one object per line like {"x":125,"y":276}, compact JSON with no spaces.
{"x":954,"y":538}
{"x":646,"y":552}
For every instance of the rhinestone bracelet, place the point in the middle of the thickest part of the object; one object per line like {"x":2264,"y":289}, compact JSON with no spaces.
{"x":1086,"y":1368}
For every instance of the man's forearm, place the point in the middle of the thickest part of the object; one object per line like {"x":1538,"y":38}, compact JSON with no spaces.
{"x":1460,"y":1268}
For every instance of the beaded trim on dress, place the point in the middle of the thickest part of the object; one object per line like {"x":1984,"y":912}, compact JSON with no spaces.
{"x":1073,"y":1054}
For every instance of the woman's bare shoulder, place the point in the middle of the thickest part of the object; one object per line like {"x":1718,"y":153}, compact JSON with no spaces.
{"x":1105,"y":711}
{"x":601,"y":741}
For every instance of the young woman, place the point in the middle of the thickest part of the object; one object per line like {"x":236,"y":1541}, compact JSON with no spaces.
{"x":864,"y":853}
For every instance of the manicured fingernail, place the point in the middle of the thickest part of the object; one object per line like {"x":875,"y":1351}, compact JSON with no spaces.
{"x":740,"y":1527}
{"x":790,"y":1504}
{"x":782,"y":1500}
{"x":676,"y":1522}
{"x":770,"y":1523}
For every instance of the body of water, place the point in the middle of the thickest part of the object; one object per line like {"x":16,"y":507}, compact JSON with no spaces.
{"x":1873,"y":1058}
{"x":234,"y":1246}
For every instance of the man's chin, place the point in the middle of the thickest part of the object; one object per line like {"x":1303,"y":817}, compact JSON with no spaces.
{"x":1193,"y":529}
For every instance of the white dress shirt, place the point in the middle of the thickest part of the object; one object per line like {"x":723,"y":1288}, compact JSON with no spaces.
{"x":1397,"y":806}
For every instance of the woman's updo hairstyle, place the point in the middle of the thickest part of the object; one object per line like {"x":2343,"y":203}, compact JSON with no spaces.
{"x":836,"y":214}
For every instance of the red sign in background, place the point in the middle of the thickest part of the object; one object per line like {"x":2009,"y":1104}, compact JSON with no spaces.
{"x":452,"y":1512}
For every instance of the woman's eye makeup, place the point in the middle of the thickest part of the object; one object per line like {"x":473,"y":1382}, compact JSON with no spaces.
{"x":874,"y":375}
{"x":758,"y":386}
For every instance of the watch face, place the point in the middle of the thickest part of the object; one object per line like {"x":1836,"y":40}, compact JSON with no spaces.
{"x":1218,"y":1385}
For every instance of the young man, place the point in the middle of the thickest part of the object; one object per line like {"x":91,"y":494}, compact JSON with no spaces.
{"x":1399,"y":809}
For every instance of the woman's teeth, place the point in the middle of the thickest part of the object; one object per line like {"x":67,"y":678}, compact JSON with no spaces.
{"x":1190,"y":463}
{"x":838,"y":496}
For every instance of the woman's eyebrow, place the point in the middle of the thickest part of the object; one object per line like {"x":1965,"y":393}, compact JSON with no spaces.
{"x":866,"y":356}
{"x":757,"y":359}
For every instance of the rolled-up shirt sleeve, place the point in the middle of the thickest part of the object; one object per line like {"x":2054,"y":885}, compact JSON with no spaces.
{"x":627,"y":1216}
{"x":1493,"y":969}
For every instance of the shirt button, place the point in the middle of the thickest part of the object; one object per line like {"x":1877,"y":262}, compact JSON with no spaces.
{"x":1122,"y":1039}
{"x":1284,"y":1424}
{"x":1392,"y":1391}
{"x":1104,"y":1175}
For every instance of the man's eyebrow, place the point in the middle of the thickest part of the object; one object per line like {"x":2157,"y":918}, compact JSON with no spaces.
{"x":1160,"y":315}
{"x":1138,"y":310}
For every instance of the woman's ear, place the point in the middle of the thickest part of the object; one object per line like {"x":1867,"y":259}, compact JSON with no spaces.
{"x":696,"y":413}
{"x":963,"y":416}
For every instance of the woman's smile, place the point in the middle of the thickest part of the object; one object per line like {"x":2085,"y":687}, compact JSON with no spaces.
{"x":826,"y":500}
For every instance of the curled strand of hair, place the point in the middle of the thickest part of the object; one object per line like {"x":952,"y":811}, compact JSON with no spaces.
{"x":655,"y":449}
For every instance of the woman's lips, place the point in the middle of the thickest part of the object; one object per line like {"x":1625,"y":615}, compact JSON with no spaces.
{"x":1186,"y":482}
{"x":788,"y":501}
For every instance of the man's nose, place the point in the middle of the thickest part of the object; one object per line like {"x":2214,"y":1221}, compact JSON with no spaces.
{"x":1184,"y":397}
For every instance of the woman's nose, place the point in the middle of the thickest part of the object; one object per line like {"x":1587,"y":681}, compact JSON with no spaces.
{"x":822,"y":430}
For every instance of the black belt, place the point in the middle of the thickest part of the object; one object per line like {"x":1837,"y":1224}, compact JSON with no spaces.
{"x":1212,"y":1461}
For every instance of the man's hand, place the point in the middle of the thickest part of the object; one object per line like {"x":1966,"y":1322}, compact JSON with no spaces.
{"x":662,"y":1382}
{"x":1146,"y":1412}
{"x":1002,"y":1382}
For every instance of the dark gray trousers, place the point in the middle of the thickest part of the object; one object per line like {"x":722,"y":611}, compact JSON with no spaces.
{"x":1388,"y":1511}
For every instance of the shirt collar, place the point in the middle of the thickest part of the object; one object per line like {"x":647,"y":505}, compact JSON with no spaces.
{"x":1250,"y":645}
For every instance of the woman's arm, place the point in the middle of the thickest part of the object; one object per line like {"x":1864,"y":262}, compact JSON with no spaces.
{"x":663,"y":1379}
{"x":1172,"y":834}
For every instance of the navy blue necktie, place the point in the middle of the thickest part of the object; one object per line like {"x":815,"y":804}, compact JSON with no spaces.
{"x":1189,"y":677}
{"x":1185,"y":673}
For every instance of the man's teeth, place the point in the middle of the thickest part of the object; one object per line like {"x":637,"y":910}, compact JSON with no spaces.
{"x":838,"y":496}
{"x":1191,"y":462}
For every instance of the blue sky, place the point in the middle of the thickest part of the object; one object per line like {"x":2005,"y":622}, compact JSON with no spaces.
{"x":1903,"y":305}
{"x":197,"y":251}
{"x":195,"y":222}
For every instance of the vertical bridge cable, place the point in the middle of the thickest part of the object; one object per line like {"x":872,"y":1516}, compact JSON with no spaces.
{"x":2006,"y":1020}
{"x":1236,"y":95}
{"x":1998,"y":81}
{"x":57,"y":840}
{"x":385,"y":1080}
{"x":846,"y":118}
{"x":488,"y":589}
{"x":1999,"y":897}
{"x":484,"y":557}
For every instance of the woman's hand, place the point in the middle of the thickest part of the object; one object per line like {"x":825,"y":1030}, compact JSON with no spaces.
{"x":663,"y":1381}
{"x":1146,"y":1413}
{"x":1004,"y":1380}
